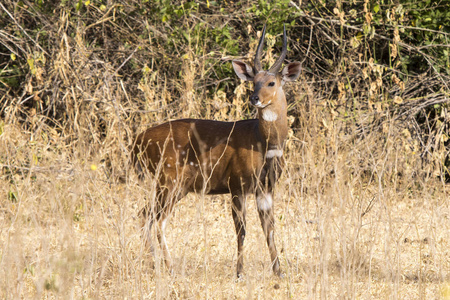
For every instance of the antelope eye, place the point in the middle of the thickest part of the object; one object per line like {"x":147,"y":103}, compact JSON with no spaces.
{"x":272,"y":83}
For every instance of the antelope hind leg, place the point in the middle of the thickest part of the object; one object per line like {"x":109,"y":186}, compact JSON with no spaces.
{"x":238,"y":212}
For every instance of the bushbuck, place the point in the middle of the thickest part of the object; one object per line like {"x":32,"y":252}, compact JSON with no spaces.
{"x":213,"y":157}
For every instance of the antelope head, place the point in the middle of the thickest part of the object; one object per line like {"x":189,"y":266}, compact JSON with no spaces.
{"x":267,"y":84}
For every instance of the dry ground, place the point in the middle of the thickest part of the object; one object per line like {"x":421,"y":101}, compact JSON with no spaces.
{"x":68,"y":231}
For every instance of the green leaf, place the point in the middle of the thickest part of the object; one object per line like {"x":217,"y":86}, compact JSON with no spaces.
{"x":30,"y":62}
{"x":12,"y":196}
{"x":79,"y":5}
{"x":376,"y":8}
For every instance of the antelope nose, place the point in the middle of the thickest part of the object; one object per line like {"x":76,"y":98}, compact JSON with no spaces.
{"x":254,"y":99}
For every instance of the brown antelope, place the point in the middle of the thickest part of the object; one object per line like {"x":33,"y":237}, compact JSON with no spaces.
{"x":213,"y":157}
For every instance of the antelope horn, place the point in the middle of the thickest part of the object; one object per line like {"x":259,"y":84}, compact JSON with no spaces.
{"x":277,"y":65}
{"x":257,"y":62}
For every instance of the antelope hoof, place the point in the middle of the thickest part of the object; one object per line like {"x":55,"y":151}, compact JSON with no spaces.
{"x":278,"y":273}
{"x":277,"y":269}
{"x":240,"y":277}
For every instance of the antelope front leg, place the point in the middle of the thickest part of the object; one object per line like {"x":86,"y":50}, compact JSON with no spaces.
{"x":162,"y":241}
{"x":238,"y":212}
{"x":264,"y":202}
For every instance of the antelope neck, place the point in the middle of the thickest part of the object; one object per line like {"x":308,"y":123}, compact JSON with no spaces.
{"x":273,"y":123}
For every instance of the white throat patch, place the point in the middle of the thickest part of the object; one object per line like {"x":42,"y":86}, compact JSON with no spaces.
{"x":269,"y":115}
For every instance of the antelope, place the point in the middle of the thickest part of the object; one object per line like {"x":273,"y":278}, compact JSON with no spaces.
{"x":214,"y":157}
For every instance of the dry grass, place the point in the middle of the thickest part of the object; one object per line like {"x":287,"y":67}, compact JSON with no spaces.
{"x":359,"y":213}
{"x":68,"y":230}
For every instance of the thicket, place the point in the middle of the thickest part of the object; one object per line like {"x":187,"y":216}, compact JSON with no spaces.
{"x":95,"y":72}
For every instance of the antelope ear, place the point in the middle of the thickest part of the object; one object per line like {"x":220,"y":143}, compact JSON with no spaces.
{"x":291,"y":71}
{"x":243,"y":70}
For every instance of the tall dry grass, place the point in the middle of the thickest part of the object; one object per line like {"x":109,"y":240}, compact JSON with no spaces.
{"x":348,"y":225}
{"x":359,"y":212}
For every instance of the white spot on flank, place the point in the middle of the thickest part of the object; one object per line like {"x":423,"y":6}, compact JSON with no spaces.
{"x":269,"y":116}
{"x":168,"y":165}
{"x":273,"y":153}
{"x":174,"y":180}
{"x":179,"y":146}
{"x":264,"y":202}
{"x":183,"y":152}
{"x":191,"y":163}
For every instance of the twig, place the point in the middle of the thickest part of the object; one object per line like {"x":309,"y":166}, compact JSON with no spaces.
{"x":369,"y":207}
{"x":98,"y":22}
{"x":126,"y":60}
{"x":214,"y":83}
{"x":9,"y":37}
{"x":103,"y":19}
{"x":419,"y":28}
{"x":309,"y":45}
{"x":39,"y":169}
{"x":21,"y":28}
{"x":312,"y":22}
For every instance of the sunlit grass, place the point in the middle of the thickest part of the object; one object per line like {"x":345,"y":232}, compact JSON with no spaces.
{"x":69,"y":229}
